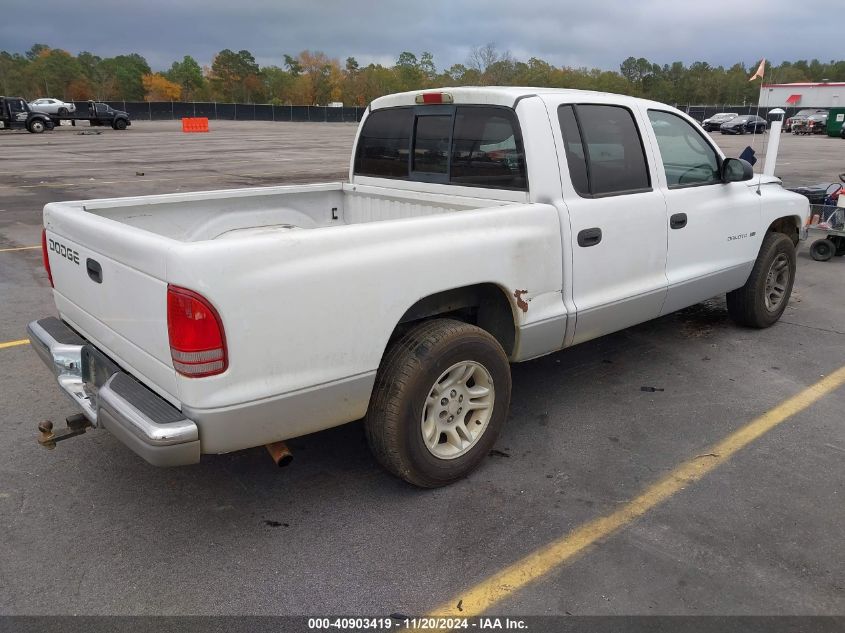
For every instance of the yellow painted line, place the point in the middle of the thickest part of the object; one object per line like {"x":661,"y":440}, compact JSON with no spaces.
{"x":18,"y":248}
{"x":478,"y":599}
{"x":23,"y":341}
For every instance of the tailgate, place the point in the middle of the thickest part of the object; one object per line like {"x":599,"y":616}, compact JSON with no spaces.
{"x":109,"y":285}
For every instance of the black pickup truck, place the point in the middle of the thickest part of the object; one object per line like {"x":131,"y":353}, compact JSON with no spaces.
{"x":15,"y":113}
{"x":98,"y":114}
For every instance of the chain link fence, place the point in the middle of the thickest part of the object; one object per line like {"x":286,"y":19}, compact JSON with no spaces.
{"x":175,"y":110}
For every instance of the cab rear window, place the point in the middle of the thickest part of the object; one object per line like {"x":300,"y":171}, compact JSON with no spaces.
{"x":471,"y":146}
{"x":383,"y":147}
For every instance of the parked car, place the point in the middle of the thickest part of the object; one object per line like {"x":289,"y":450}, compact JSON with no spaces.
{"x":478,"y":227}
{"x":52,"y":106}
{"x":800,"y":116}
{"x":715,"y":121}
{"x":744,"y":123}
{"x":812,"y":124}
{"x":817,"y":123}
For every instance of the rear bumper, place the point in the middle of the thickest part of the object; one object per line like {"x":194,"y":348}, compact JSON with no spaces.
{"x":111,"y":398}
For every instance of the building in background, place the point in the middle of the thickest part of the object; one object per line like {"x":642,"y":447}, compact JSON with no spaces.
{"x":803,"y":95}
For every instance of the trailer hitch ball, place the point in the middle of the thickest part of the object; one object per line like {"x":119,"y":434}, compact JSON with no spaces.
{"x":76,"y":425}
{"x":45,"y":434}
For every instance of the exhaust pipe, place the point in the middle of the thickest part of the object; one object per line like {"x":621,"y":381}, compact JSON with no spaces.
{"x":280,"y":453}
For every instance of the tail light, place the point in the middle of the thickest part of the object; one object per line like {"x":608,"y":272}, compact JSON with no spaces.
{"x":197,"y":340}
{"x":46,"y":257}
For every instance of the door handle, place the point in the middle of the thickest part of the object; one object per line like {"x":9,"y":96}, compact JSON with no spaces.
{"x":678,"y":221}
{"x":589,"y":237}
{"x":95,"y":271}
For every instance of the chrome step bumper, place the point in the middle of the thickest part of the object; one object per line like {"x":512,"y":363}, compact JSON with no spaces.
{"x":111,"y":398}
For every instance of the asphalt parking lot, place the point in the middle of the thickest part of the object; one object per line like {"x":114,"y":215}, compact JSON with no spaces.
{"x":752,"y":527}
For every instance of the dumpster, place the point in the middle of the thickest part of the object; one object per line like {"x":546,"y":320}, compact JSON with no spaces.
{"x":835,"y":121}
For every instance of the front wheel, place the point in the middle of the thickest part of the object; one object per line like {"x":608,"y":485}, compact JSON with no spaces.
{"x":37,"y":126}
{"x":441,"y":397}
{"x":763,"y":298}
{"x":62,"y":111}
{"x":120,"y":124}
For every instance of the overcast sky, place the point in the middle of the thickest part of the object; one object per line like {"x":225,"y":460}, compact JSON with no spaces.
{"x":594,"y":33}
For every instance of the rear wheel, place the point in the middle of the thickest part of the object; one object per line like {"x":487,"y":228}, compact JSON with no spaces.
{"x":37,"y":126}
{"x":440,"y":399}
{"x":763,"y":298}
{"x":822,"y":250}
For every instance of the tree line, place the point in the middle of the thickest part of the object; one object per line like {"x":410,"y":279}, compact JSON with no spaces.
{"x":314,"y":78}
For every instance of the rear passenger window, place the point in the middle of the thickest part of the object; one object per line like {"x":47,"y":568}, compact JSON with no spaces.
{"x":383,"y":146}
{"x":604,"y":150}
{"x":486,"y":149}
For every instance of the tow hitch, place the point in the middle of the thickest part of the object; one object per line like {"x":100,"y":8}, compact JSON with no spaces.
{"x":76,"y":425}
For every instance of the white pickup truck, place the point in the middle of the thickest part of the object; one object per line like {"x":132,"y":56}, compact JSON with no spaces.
{"x":479,"y":227}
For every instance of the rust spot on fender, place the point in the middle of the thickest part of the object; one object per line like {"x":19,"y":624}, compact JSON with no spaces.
{"x":521,"y":303}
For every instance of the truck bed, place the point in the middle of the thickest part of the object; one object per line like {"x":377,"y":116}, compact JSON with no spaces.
{"x":216,"y":215}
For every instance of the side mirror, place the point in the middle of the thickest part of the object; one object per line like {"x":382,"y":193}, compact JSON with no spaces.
{"x":736,"y":170}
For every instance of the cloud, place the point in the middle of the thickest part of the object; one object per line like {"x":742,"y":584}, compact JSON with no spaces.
{"x":594,"y":33}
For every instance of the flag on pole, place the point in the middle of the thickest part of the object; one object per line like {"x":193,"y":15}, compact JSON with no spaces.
{"x":760,"y":69}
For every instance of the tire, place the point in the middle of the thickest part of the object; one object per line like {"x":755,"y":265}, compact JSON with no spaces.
{"x":765,"y":295}
{"x":37,"y":126}
{"x":822,"y":250}
{"x":400,"y":408}
{"x":120,"y":124}
{"x":62,"y":112}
